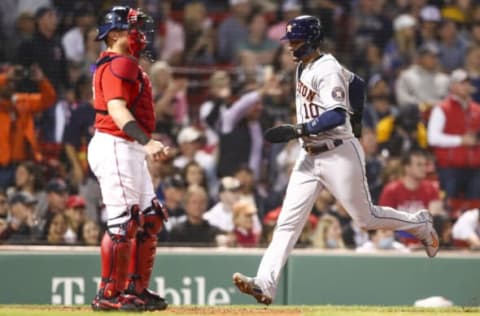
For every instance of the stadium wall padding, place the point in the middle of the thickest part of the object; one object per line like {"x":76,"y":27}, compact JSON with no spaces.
{"x":203,"y":277}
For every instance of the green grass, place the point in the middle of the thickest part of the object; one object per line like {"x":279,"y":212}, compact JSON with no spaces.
{"x":248,"y":310}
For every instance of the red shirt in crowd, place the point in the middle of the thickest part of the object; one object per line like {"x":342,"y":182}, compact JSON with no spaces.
{"x":396,"y":195}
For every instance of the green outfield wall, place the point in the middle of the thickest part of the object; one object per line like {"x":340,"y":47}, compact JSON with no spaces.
{"x":187,"y":276}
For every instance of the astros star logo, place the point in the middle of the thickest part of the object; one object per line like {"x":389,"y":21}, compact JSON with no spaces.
{"x":338,"y":94}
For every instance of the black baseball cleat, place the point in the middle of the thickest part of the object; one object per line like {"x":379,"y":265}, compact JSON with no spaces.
{"x":153,"y":301}
{"x":247,"y":285}
{"x":120,"y":302}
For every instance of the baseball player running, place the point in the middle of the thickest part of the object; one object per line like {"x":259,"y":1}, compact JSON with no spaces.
{"x":332,"y":158}
{"x":116,"y":154}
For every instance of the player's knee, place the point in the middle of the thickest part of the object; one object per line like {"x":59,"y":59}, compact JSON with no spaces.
{"x":129,"y":227}
{"x":363,"y":222}
{"x":154,"y":216}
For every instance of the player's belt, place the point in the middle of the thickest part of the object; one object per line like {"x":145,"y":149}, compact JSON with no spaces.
{"x":318,"y":149}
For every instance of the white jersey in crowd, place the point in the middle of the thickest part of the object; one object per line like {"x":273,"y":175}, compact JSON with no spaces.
{"x":322,"y":86}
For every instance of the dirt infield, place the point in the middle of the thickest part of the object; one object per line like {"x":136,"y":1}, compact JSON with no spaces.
{"x":247,"y":310}
{"x":172,"y":310}
{"x":228,"y":310}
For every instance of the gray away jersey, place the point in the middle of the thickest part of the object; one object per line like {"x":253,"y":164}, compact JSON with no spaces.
{"x":323,"y":86}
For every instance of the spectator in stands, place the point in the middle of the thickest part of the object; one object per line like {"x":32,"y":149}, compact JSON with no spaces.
{"x":290,"y":9}
{"x":284,"y":162}
{"x":21,"y":225}
{"x":57,"y":196}
{"x":402,"y":132}
{"x":443,"y":225}
{"x":76,"y":217}
{"x":3,"y":211}
{"x":472,"y":66}
{"x":430,"y":18}
{"x":190,"y":140}
{"x":400,"y":50}
{"x":467,"y":228}
{"x":221,"y":214}
{"x":323,"y":204}
{"x":328,"y":234}
{"x":159,"y":171}
{"x":73,"y":40}
{"x":92,"y":51}
{"x":194,"y":230}
{"x":18,"y":135}
{"x":413,"y":192}
{"x":257,"y":44}
{"x":194,"y":174}
{"x":281,"y":159}
{"x":380,"y":240}
{"x":199,"y":35}
{"x":79,"y":129}
{"x":28,"y":179}
{"x":233,"y":29}
{"x":173,"y":188}
{"x":3,"y":204}
{"x":171,"y":108}
{"x":379,"y":103}
{"x":25,"y":29}
{"x":474,"y":34}
{"x":46,"y":49}
{"x":76,"y":136}
{"x":370,"y":26}
{"x":251,"y":190}
{"x":277,"y":108}
{"x":219,"y":95}
{"x":171,"y":36}
{"x":422,"y":84}
{"x":241,"y":135}
{"x":55,"y":230}
{"x":244,"y":213}
{"x":373,"y":163}
{"x":452,"y":132}
{"x":352,"y":235}
{"x":90,"y":233}
{"x":270,"y":220}
{"x":452,"y":48}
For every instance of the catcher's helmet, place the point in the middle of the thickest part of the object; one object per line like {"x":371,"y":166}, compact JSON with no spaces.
{"x":115,"y":19}
{"x":306,"y":28}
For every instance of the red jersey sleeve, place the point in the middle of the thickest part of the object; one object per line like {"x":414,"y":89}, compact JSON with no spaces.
{"x":114,"y":87}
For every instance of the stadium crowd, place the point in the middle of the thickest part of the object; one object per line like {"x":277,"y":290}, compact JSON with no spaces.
{"x":224,"y":185}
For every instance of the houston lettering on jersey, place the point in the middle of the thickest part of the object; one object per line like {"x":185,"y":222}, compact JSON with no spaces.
{"x":305,"y":91}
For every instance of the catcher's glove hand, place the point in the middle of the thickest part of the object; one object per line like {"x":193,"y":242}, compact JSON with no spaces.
{"x":285,"y":133}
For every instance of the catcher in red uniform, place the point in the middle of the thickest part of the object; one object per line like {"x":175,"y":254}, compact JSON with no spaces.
{"x":116,"y":154}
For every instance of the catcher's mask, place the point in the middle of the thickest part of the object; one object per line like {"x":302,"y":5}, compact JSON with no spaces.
{"x":304,"y":28}
{"x":139,"y":25}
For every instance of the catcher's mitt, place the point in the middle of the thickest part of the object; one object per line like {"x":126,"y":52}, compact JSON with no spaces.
{"x":284,"y":133}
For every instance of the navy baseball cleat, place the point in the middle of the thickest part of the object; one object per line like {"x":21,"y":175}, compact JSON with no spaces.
{"x":247,"y":285}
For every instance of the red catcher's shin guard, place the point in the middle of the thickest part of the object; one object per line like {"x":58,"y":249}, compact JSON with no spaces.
{"x":115,"y":256}
{"x":144,"y":247}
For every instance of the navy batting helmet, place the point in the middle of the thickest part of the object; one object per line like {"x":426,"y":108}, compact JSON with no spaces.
{"x":115,"y":19}
{"x":305,"y":28}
